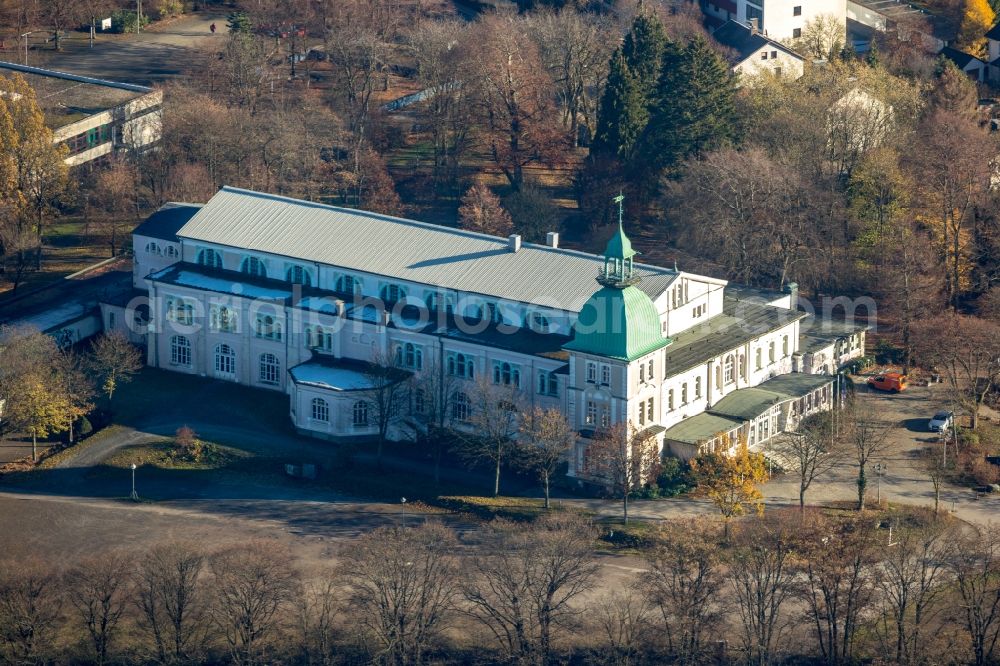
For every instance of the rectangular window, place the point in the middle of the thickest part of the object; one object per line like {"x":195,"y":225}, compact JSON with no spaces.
{"x":548,"y":384}
{"x":642,"y":413}
{"x":605,"y":418}
{"x":591,"y":418}
{"x":797,"y":10}
{"x":670,"y":399}
{"x":606,"y":375}
{"x":642,"y":373}
{"x":796,"y":33}
{"x":650,"y":370}
{"x":763,"y":55}
{"x":591,"y":372}
{"x":774,"y":55}
{"x":649,"y":410}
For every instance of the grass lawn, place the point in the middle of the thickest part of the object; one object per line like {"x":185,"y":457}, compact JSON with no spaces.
{"x":164,"y":455}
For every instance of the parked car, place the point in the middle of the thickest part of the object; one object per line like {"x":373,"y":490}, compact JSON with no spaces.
{"x":889,"y":381}
{"x":941,"y":422}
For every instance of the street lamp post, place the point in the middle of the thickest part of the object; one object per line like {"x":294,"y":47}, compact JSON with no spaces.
{"x":879,"y":469}
{"x":135,"y":495}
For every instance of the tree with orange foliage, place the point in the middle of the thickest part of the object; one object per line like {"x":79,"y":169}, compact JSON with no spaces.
{"x":977,"y":19}
{"x":731,"y":481}
{"x":515,"y":99}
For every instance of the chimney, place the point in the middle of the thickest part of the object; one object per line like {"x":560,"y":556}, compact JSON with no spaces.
{"x":514,"y":242}
{"x":552,"y":239}
{"x":754,"y":26}
{"x":792,"y":288}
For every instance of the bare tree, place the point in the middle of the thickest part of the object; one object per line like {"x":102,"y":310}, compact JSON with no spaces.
{"x":763,"y":580}
{"x":404,"y":584}
{"x":624,"y":618}
{"x":974,"y":563}
{"x":838,"y":563}
{"x":513,"y":98}
{"x":171,"y":598}
{"x":575,"y":48}
{"x":30,"y":611}
{"x":115,"y":360}
{"x":546,"y":436}
{"x":624,"y":458}
{"x":912,"y":578}
{"x":935,"y":465}
{"x":481,"y":211}
{"x":867,"y":437}
{"x":814,"y":451}
{"x":386,"y":393}
{"x":99,"y":588}
{"x":685,"y":582}
{"x":967,"y":350}
{"x":318,"y":606}
{"x":252,"y":586}
{"x":432,"y":402}
{"x":493,"y":424}
{"x":525,"y":580}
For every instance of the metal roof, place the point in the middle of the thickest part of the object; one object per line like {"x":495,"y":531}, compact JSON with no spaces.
{"x":365,"y":242}
{"x":740,"y":321}
{"x":749,"y":403}
{"x":697,"y":429}
{"x":167,"y":221}
{"x":618,"y":323}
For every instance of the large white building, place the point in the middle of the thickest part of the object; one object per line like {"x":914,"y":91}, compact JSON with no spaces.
{"x":783,"y":20}
{"x":298,"y":297}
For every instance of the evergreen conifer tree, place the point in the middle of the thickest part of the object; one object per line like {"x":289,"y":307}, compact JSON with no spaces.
{"x":694,"y":108}
{"x":643,"y":50}
{"x":623,"y":113}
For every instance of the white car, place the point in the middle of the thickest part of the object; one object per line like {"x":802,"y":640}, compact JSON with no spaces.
{"x":941,"y":422}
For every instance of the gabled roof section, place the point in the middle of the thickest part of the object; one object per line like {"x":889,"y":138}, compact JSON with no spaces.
{"x":745,"y":42}
{"x":960,"y":58}
{"x":167,"y":221}
{"x":437,"y":256}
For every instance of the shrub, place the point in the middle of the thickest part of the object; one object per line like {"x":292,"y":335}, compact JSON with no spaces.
{"x":124,"y":20}
{"x":188,"y":445}
{"x":487,"y":508}
{"x":168,"y":8}
{"x":83,"y":428}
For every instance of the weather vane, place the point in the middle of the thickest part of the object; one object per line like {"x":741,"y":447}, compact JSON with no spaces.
{"x":621,"y":207}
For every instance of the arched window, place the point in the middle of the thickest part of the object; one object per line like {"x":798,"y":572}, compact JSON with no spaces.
{"x":298,"y":275}
{"x":320,"y":410}
{"x":254,"y":266}
{"x":539,"y":322}
{"x":210,"y":258}
{"x":348,"y":284}
{"x":730,"y":369}
{"x":413,"y":356}
{"x":770,"y":352}
{"x":267,"y":327}
{"x":180,"y":311}
{"x":153,"y":248}
{"x":684,"y":394}
{"x":506,"y":374}
{"x":784,"y":347}
{"x":180,"y":351}
{"x":171,"y":251}
{"x":419,"y":401}
{"x":759,"y":356}
{"x":492,"y":312}
{"x":360,"y":414}
{"x":319,"y":338}
{"x":697,"y":388}
{"x":548,"y":383}
{"x":269,"y":368}
{"x":460,"y":365}
{"x":223,"y":319}
{"x":461,"y":407}
{"x":391,"y":293}
{"x":225,"y":360}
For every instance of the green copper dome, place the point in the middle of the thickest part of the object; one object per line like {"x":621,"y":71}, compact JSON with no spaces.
{"x":620,"y":323}
{"x":619,"y":246}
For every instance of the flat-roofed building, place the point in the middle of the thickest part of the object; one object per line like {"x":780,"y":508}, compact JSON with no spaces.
{"x":93,"y":117}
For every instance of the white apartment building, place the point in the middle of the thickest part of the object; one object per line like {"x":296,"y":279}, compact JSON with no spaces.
{"x":782,"y":20}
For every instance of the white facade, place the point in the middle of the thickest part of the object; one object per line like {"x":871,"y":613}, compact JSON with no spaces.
{"x":307,"y":328}
{"x":782,"y":20}
{"x":771,"y":60}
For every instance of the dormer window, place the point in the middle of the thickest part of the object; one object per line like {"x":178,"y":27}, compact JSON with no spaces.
{"x":210,"y":258}
{"x":348,"y":284}
{"x":539,"y":322}
{"x":298,"y":275}
{"x":392,"y":293}
{"x":253,"y":266}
